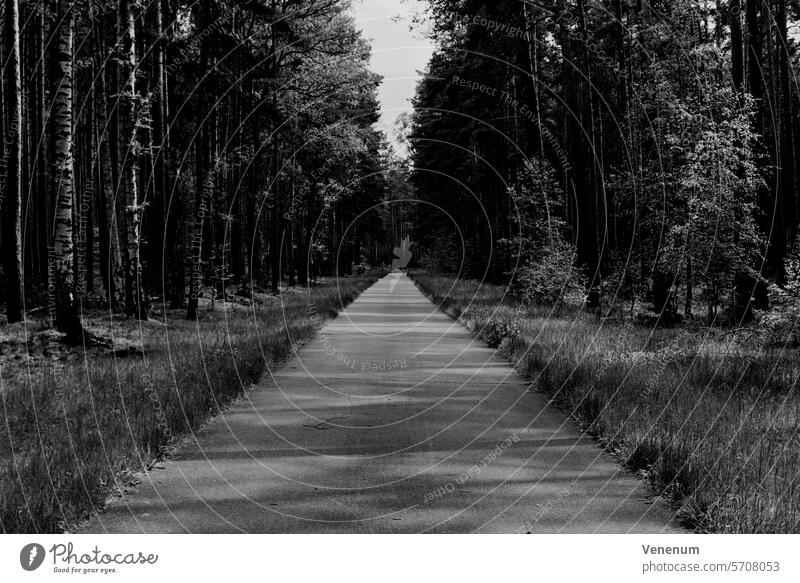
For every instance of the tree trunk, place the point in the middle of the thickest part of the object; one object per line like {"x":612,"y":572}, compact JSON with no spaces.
{"x":290,"y":245}
{"x":175,"y":204}
{"x":687,"y":311}
{"x":43,"y":200}
{"x":622,"y":64}
{"x":204,"y":183}
{"x":276,"y":227}
{"x":64,"y":303}
{"x":134,"y":301}
{"x":12,"y":223}
{"x":755,"y":73}
{"x":205,"y":191}
{"x":301,"y":258}
{"x":785,"y":102}
{"x":532,"y":42}
{"x":99,"y":228}
{"x":158,"y":179}
{"x":253,"y":248}
{"x":111,"y":256}
{"x":737,"y":56}
{"x":580,"y":140}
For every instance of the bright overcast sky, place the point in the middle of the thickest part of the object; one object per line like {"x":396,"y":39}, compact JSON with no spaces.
{"x":397,"y":52}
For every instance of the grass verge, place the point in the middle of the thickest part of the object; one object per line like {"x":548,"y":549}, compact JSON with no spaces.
{"x":74,"y":429}
{"x":709,"y":417}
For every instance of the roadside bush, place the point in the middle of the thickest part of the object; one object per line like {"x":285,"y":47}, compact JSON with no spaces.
{"x":496,"y":330}
{"x":782,"y":324}
{"x":545,"y":272}
{"x":551,"y":278}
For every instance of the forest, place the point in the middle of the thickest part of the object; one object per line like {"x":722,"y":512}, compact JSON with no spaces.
{"x":605,"y":192}
{"x":608,"y":197}
{"x":161,"y":151}
{"x":189,"y":190}
{"x":613,"y":150}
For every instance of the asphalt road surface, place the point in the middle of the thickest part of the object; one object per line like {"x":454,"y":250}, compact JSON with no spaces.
{"x":394,"y":420}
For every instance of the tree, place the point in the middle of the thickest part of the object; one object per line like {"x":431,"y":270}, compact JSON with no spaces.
{"x":636,"y":112}
{"x":130,"y":150}
{"x":545,"y":270}
{"x":12,"y":199}
{"x":716,"y":237}
{"x":173,"y":110}
{"x":67,"y":318}
{"x":111,"y":256}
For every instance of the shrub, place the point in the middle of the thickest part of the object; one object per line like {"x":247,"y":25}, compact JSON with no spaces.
{"x":496,"y":330}
{"x":781,"y":323}
{"x":551,"y":278}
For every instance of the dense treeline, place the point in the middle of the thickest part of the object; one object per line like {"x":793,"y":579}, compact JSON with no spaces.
{"x":170,"y":148}
{"x":645,"y":148}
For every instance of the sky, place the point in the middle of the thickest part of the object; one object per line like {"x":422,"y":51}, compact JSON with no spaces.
{"x":397,"y":52}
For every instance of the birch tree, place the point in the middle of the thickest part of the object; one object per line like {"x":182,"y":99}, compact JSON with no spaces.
{"x":67,"y":317}
{"x":134,"y":207}
{"x":12,"y":227}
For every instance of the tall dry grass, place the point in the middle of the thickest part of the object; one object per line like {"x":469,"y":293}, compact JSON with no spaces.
{"x":709,"y":418}
{"x":71,"y":435}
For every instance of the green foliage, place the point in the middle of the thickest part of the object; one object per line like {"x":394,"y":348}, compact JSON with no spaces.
{"x":465,"y":145}
{"x":545,"y":262}
{"x":552,"y":278}
{"x":538,"y":210}
{"x":691,"y":192}
{"x":716,"y":224}
{"x":782,"y":323}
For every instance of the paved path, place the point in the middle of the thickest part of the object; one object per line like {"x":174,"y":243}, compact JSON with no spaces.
{"x":449,"y":441}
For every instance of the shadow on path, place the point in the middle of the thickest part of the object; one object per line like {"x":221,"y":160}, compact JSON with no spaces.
{"x":393,"y":420}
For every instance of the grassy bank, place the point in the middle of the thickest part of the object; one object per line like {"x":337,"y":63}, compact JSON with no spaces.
{"x":709,"y":417}
{"x":74,"y":427}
